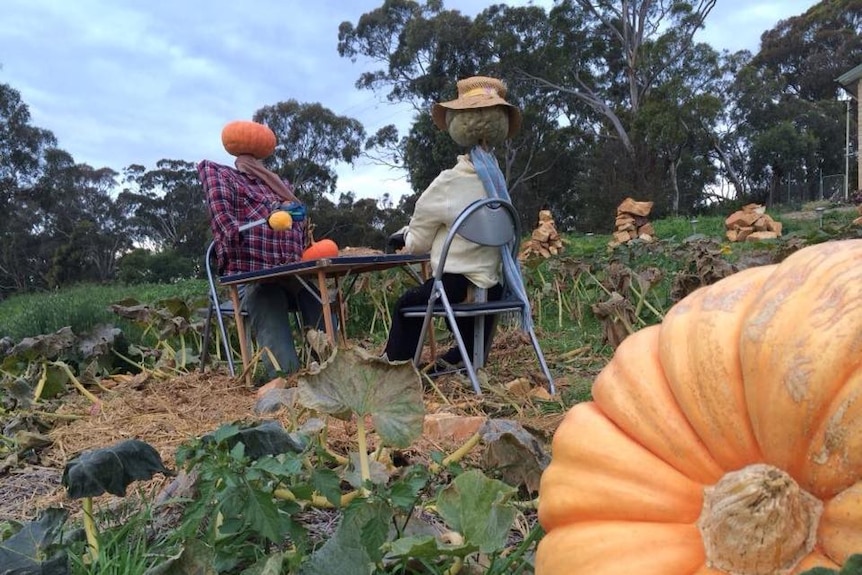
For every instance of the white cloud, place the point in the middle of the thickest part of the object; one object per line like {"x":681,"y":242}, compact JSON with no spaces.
{"x":124,"y":82}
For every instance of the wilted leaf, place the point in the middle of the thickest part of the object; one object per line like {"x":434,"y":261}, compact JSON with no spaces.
{"x":48,"y":346}
{"x":514,"y":452}
{"x":111,"y":469}
{"x":478,"y":507}
{"x":53,"y":382}
{"x":175,"y":306}
{"x":133,"y":310}
{"x":29,"y":551}
{"x":353,"y":381}
{"x":99,"y":342}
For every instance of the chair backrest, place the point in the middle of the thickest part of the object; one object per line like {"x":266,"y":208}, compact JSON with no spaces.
{"x":487,"y":222}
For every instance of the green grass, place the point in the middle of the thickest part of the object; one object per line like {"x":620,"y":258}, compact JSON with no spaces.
{"x":562,"y":293}
{"x":82,"y":307}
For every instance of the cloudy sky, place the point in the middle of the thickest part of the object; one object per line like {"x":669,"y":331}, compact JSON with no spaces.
{"x":123,"y":82}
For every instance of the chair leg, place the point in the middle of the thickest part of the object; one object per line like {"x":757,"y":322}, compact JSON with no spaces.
{"x":224,"y":338}
{"x":479,"y":341}
{"x":551,"y":388}
{"x":205,"y":343}
{"x":426,"y":327}
{"x":468,"y":363}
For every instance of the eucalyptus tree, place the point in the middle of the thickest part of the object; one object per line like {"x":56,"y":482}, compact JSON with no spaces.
{"x":423,"y":49}
{"x":81,"y":232}
{"x":787,"y":108}
{"x":166,"y":208}
{"x":311,"y":139}
{"x":22,"y":156}
{"x":611,"y":61}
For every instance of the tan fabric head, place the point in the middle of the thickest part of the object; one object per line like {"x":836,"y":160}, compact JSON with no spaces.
{"x":478,"y":92}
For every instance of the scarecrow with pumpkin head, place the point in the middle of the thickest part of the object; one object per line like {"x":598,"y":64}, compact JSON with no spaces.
{"x":479,"y":118}
{"x":252,"y":193}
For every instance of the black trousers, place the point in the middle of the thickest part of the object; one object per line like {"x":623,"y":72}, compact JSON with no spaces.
{"x":405,"y":332}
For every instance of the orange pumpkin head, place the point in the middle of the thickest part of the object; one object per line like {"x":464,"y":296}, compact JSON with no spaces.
{"x":325,"y":248}
{"x":244,"y":137}
{"x":728,"y":439}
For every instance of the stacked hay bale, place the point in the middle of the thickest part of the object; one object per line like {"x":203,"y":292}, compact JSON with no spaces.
{"x":751,"y":223}
{"x":545,"y":240}
{"x":632,"y":222}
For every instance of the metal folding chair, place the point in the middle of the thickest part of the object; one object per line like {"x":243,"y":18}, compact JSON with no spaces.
{"x":487,"y":222}
{"x":219,"y":309}
{"x":226,"y":308}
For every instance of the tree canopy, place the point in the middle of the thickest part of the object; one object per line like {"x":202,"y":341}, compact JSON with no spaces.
{"x":618,"y":99}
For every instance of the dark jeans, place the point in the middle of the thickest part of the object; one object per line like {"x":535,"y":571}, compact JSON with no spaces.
{"x":405,"y":332}
{"x":268,"y":306}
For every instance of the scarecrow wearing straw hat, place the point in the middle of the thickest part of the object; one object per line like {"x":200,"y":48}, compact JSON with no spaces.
{"x":477,"y":119}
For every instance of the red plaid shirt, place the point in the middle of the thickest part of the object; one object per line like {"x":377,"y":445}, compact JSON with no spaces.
{"x":235,"y":199}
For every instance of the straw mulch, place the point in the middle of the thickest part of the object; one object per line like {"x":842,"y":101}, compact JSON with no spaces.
{"x":164,"y":413}
{"x":167,"y":413}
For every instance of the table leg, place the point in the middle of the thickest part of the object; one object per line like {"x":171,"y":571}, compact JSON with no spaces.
{"x":341,"y":309}
{"x":432,"y":343}
{"x":240,"y":329}
{"x":327,"y":307}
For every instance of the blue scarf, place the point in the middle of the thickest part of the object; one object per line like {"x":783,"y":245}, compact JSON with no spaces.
{"x":495,"y":186}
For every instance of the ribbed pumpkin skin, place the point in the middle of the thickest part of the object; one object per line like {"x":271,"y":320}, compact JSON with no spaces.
{"x":764,"y":366}
{"x":244,"y":137}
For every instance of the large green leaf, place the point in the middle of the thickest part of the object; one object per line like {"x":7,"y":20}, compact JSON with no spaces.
{"x":111,"y":469}
{"x":353,"y":381}
{"x":267,"y":438}
{"x":33,"y":550}
{"x":357,"y":543}
{"x":478,"y":508}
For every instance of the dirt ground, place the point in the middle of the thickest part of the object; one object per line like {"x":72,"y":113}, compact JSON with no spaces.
{"x":169,"y":412}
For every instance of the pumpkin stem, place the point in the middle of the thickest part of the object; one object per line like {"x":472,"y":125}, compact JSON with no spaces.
{"x":758,"y":521}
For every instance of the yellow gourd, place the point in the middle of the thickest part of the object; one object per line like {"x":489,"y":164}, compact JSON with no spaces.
{"x":280,"y":220}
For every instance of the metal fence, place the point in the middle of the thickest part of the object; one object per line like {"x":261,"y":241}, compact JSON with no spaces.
{"x":795,"y":194}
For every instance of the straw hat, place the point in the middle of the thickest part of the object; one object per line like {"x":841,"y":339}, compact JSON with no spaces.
{"x":478,"y":92}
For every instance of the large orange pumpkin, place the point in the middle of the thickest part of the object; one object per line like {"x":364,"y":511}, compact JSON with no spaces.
{"x":726,"y":440}
{"x":244,"y":137}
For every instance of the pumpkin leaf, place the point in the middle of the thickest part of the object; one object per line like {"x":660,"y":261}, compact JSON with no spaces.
{"x":357,"y":542}
{"x":100,"y":341}
{"x":428,"y":547}
{"x":194,"y":557}
{"x":478,"y":507}
{"x":852,"y":566}
{"x":515,"y":452}
{"x":352,"y":381}
{"x":52,"y":383}
{"x":46,"y":346}
{"x":33,"y":550}
{"x":267,"y":438}
{"x":111,"y":469}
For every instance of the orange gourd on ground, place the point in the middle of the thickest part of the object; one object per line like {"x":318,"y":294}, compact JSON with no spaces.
{"x":728,"y":439}
{"x":325,"y":248}
{"x":245,"y":137}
